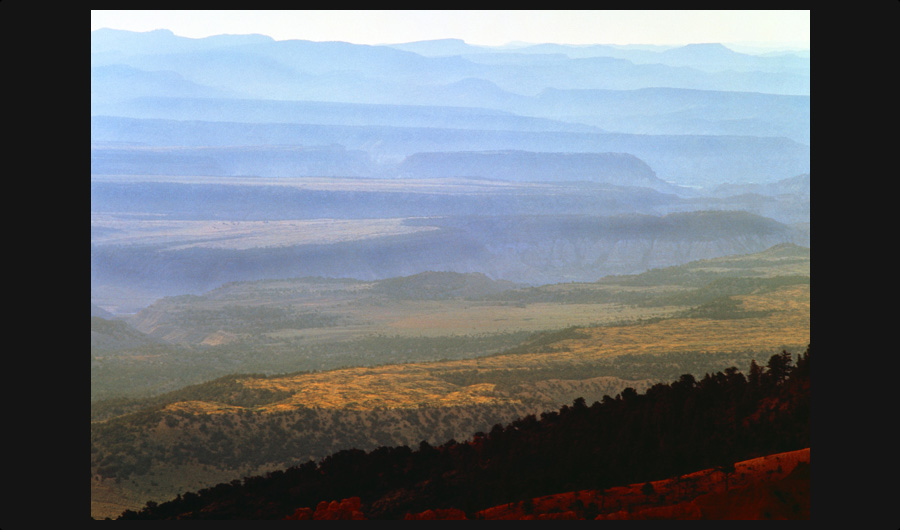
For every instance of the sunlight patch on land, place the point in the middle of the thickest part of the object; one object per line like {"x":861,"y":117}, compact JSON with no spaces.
{"x":202,"y":407}
{"x":242,"y":235}
{"x":416,"y":384}
{"x":349,"y":389}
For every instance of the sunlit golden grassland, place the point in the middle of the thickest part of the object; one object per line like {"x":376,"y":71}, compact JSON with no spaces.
{"x":788,"y":323}
{"x":415,"y":384}
{"x":683,"y":311}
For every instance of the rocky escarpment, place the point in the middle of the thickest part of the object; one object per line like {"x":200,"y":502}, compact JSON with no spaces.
{"x":579,"y":248}
{"x":523,"y":166}
{"x":519,"y":249}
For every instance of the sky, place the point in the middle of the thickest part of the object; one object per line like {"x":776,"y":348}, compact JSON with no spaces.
{"x":765,"y":29}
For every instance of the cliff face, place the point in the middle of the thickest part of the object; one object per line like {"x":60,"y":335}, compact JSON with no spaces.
{"x":521,"y":166}
{"x":520,"y":249}
{"x":580,"y":248}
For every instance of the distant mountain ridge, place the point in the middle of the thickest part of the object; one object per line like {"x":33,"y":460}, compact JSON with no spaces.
{"x":640,"y":66}
{"x":106,"y":40}
{"x":677,"y":159}
{"x":211,"y":108}
{"x":699,"y":115}
{"x":440,"y":47}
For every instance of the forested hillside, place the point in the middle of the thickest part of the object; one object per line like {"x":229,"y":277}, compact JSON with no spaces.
{"x":669,"y":430}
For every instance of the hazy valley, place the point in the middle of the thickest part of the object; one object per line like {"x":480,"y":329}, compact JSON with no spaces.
{"x":309,"y":252}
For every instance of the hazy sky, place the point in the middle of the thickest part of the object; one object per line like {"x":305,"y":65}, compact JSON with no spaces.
{"x":765,"y":28}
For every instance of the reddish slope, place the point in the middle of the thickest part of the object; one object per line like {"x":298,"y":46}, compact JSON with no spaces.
{"x":770,"y":487}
